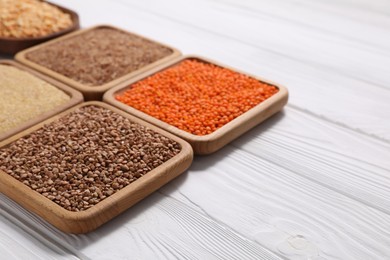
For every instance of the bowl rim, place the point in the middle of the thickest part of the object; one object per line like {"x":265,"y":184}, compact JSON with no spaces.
{"x":74,"y":26}
{"x":75,"y":97}
{"x":94,"y":90}
{"x":88,"y":220}
{"x":205,"y":144}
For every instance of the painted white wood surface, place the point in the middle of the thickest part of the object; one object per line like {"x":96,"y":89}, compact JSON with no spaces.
{"x":313,"y":182}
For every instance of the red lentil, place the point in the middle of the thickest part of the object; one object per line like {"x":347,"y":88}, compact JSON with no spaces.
{"x":195,"y":96}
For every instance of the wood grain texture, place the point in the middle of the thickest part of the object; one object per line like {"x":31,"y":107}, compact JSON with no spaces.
{"x":257,"y":197}
{"x":29,"y":242}
{"x":89,"y":92}
{"x":159,"y":228}
{"x":212,"y":142}
{"x":313,"y":86}
{"x":311,"y":182}
{"x":325,"y":200}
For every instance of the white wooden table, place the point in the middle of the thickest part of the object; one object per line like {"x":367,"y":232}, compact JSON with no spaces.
{"x":313,"y":182}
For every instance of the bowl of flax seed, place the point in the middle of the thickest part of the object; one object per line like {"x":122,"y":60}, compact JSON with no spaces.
{"x":25,"y":23}
{"x":95,"y":59}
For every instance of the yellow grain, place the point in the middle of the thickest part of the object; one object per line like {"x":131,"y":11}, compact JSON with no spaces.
{"x":24,"y":96}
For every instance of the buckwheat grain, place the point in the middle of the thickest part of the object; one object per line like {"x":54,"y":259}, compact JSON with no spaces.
{"x":85,"y":156}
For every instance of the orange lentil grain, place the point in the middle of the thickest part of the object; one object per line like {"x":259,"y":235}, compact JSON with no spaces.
{"x":195,"y":96}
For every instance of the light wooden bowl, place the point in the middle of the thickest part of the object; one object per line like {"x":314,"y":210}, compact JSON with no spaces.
{"x":75,"y":98}
{"x":90,"y":219}
{"x":210,"y":143}
{"x":91,"y":92}
{"x":13,"y":45}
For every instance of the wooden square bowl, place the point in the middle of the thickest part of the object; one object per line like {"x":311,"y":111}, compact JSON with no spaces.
{"x":75,"y":98}
{"x":205,"y":144}
{"x":109,"y":207}
{"x":92,"y":92}
{"x":13,"y":45}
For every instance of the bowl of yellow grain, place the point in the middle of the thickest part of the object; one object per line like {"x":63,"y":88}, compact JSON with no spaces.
{"x":27,"y":97}
{"x":24,"y":23}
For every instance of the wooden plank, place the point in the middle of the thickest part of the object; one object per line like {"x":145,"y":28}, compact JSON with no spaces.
{"x":353,"y":20}
{"x":356,"y":8}
{"x":354,"y":103}
{"x":326,"y":198}
{"x":282,"y":211}
{"x":342,"y":160}
{"x":311,"y":183}
{"x":158,"y":228}
{"x":20,"y":239}
{"x":247,"y":191}
{"x":330,"y":52}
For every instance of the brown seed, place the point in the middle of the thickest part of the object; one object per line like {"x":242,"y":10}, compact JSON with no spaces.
{"x":76,"y":181}
{"x":115,"y":53}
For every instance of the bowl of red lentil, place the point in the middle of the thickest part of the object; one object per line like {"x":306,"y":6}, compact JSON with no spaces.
{"x":28,"y":97}
{"x":79,"y":169}
{"x":26,"y":23}
{"x":95,"y":59}
{"x":199,"y":100}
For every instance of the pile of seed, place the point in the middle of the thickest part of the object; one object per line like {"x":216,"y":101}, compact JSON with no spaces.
{"x":195,"y":96}
{"x":31,"y":18}
{"x":85,"y":156}
{"x":98,"y":56}
{"x":24,"y":97}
